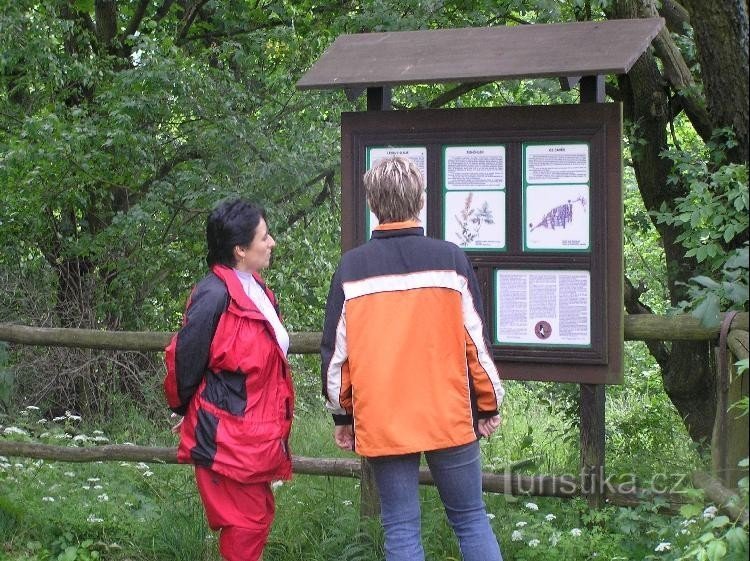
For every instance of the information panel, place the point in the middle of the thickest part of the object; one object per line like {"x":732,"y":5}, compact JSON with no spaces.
{"x":556,"y":197}
{"x":543,"y":307}
{"x":533,"y":196}
{"x":417,"y":154}
{"x":474,"y":196}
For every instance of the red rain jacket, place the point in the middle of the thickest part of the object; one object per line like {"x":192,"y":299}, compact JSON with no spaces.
{"x":230,"y":379}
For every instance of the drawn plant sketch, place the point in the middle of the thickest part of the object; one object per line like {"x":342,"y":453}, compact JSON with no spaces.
{"x":470,"y":220}
{"x":559,"y":216}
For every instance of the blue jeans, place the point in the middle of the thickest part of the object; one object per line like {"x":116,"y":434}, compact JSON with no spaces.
{"x":457,"y":475}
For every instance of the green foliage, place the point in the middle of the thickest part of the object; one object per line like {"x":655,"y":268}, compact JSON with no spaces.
{"x":713,"y":223}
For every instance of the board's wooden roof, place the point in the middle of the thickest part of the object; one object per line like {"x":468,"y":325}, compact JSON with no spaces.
{"x":482,"y":54}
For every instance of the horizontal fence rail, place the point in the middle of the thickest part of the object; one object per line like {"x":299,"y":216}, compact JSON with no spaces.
{"x":641,"y":327}
{"x":638,"y":327}
{"x":566,"y":486}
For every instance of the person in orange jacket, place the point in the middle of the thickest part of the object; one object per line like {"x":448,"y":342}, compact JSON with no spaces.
{"x":407,"y":370}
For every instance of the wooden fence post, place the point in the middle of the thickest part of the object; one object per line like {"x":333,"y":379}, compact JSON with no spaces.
{"x":592,"y":443}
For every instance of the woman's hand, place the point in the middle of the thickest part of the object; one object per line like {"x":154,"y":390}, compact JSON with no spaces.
{"x":176,"y":428}
{"x":344,"y":437}
{"x":489,"y":425}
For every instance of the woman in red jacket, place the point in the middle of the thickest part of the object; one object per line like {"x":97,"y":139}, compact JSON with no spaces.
{"x":227,"y":373}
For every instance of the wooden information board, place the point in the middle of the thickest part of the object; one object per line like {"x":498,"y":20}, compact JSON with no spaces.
{"x":534,"y":197}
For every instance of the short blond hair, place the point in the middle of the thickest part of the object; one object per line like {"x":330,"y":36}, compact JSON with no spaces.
{"x":394,"y":188}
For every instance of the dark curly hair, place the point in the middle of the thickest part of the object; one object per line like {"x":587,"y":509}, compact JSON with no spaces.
{"x":232,"y":222}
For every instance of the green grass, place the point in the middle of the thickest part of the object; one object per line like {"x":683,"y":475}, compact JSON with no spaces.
{"x":136,"y":512}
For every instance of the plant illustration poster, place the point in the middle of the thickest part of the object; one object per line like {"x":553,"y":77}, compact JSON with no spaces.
{"x":475,"y":219}
{"x":557,"y":217}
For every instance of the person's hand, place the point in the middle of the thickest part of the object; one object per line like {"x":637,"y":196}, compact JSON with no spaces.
{"x":489,"y":425}
{"x":176,"y":428}
{"x":344,"y":437}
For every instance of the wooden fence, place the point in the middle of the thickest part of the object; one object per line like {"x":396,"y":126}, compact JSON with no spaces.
{"x":637,"y":327}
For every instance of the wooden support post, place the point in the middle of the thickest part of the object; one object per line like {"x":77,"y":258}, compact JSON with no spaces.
{"x":378,"y":99}
{"x":592,"y":395}
{"x":592,"y":443}
{"x":729,"y":442}
{"x":592,"y":89}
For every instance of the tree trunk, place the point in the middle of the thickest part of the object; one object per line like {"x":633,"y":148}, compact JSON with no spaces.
{"x":687,"y":369}
{"x":721,"y":38}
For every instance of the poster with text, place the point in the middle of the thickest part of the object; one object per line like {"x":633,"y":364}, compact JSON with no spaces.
{"x":473,"y":167}
{"x":475,"y":219}
{"x":536,"y":307}
{"x":417,"y":154}
{"x":556,"y":163}
{"x":557,"y":217}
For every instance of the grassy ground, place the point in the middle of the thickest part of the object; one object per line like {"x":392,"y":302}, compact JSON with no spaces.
{"x":138,"y":512}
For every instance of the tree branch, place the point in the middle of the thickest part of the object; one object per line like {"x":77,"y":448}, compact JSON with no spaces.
{"x":675,"y":15}
{"x":135,"y":21}
{"x":454,"y":93}
{"x":324,"y":194}
{"x":163,"y":10}
{"x":187,"y":20}
{"x":106,"y":20}
{"x":678,"y":75}
{"x":633,"y":306}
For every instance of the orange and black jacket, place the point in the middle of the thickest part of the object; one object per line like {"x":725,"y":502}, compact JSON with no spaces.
{"x":405,"y":353}
{"x":227,"y":374}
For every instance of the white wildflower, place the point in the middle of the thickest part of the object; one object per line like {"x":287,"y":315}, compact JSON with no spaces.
{"x":710,"y":513}
{"x":98,"y":431}
{"x":346,"y":503}
{"x":18,"y":466}
{"x":490,"y":516}
{"x":521,"y":524}
{"x":58,"y":419}
{"x":531,"y":506}
{"x":3,"y":459}
{"x":41,"y":421}
{"x":14,"y":430}
{"x":516,"y":536}
{"x":69,"y":474}
{"x":93,"y":479}
{"x":148,"y":473}
{"x":100,"y":439}
{"x":72,"y":417}
{"x":550,"y":517}
{"x":93,"y":519}
{"x":103,"y":497}
{"x":80,"y":438}
{"x":48,"y":499}
{"x":533,"y":543}
{"x":575,"y":532}
{"x":98,"y":487}
{"x":32,"y":408}
{"x":86,"y":487}
{"x":687,"y":522}
{"x":663,"y":546}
